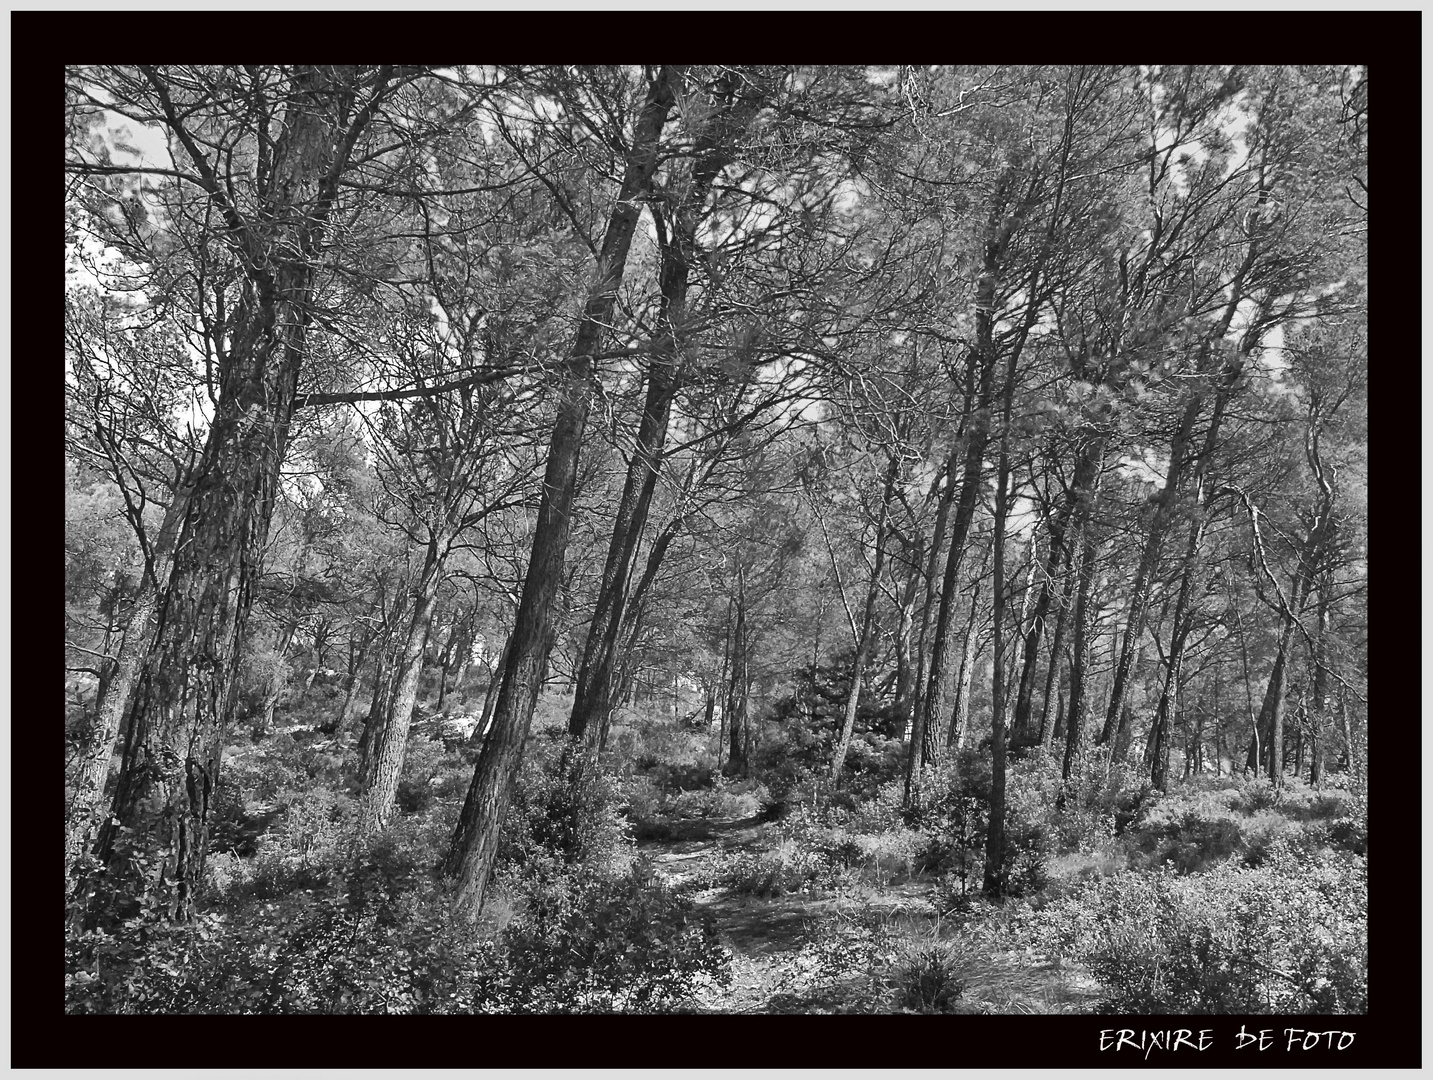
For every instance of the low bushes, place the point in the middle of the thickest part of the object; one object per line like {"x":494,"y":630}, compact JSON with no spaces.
{"x":623,"y":944}
{"x":582,"y":945}
{"x":1288,"y":937}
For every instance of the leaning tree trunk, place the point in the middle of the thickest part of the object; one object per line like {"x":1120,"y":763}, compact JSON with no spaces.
{"x":87,"y":810}
{"x":1321,"y":708}
{"x":475,"y":839}
{"x":1230,"y":369}
{"x":737,"y":696}
{"x":185,"y":698}
{"x":936,"y":702}
{"x":982,"y":358}
{"x":868,"y":617}
{"x":1057,"y":654}
{"x":592,"y":698}
{"x":1025,"y":693}
{"x":1183,"y":623}
{"x":960,"y":715}
{"x":382,"y":762}
{"x":275,"y":688}
{"x":994,"y":881}
{"x":931,"y":597}
{"x":1088,"y":474}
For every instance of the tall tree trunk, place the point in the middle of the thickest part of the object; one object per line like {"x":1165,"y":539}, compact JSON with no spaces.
{"x":960,"y":715}
{"x":592,"y":699}
{"x":906,"y":674}
{"x":1271,"y":714}
{"x":868,"y":617}
{"x":1057,"y":656}
{"x":932,"y":594}
{"x":1231,"y":367}
{"x":185,"y":698}
{"x":1025,"y":694}
{"x":490,"y":696}
{"x":994,"y":884}
{"x":1183,"y":621}
{"x":1321,"y":704}
{"x":722,"y":681}
{"x":936,"y":703}
{"x":475,"y":840}
{"x":87,"y":810}
{"x":980,"y":365}
{"x":382,"y":763}
{"x":1088,"y":474}
{"x":275,"y":688}
{"x":737,"y":703}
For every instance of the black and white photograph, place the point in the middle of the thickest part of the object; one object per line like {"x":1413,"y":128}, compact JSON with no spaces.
{"x":721,"y":540}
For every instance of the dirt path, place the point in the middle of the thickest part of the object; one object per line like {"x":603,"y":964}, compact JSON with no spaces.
{"x":765,"y":934}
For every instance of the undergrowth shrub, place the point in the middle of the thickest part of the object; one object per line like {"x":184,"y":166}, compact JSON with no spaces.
{"x":1288,"y":937}
{"x":786,"y":868}
{"x":620,"y":944}
{"x":378,"y":937}
{"x":550,"y":816}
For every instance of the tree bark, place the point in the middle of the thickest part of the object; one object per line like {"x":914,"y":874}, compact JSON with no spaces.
{"x":960,"y":715}
{"x":87,"y":809}
{"x":185,"y":699}
{"x":868,"y":618}
{"x":475,"y":839}
{"x":1179,"y":460}
{"x":1088,"y":475}
{"x":1320,"y":711}
{"x":737,"y":703}
{"x":1057,"y":657}
{"x":381,"y":765}
{"x":1025,"y":694}
{"x":592,"y":699}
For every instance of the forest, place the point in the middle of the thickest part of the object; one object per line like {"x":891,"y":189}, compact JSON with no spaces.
{"x":716,"y":539}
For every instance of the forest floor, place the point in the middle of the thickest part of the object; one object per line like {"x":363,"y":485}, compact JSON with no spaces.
{"x":815,"y":953}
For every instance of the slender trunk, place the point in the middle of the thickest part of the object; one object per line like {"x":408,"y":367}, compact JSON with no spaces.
{"x":1183,"y":623}
{"x":960,"y":715}
{"x":1219,"y":730}
{"x":382,"y":763}
{"x":1271,"y":715}
{"x":868,"y":618}
{"x":737,"y":704}
{"x":1088,"y":474}
{"x":1194,"y":759}
{"x":1179,"y":460}
{"x":475,"y":839}
{"x":937,"y":702}
{"x":722,"y":682}
{"x":308,"y":682}
{"x":932,"y":595}
{"x":357,"y":654}
{"x":490,"y":696}
{"x":994,"y":884}
{"x":905,"y":631}
{"x":1321,"y":704}
{"x":1057,"y":656}
{"x":980,"y":364}
{"x":87,"y":809}
{"x":592,"y":698}
{"x":1025,"y":694}
{"x":275,"y":688}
